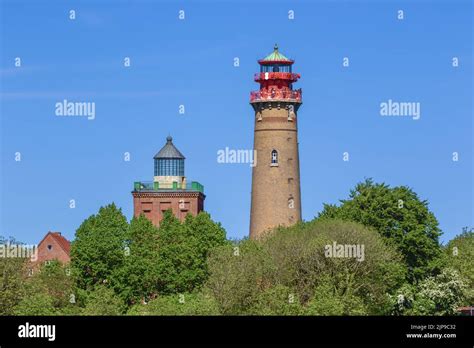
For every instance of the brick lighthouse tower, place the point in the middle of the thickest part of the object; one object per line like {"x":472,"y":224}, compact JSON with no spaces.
{"x":276,"y":197}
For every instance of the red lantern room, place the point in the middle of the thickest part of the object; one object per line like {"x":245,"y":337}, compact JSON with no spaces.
{"x":276,"y":80}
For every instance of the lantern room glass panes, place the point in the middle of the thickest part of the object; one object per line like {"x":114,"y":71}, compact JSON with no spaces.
{"x":275,"y":68}
{"x":169,"y":167}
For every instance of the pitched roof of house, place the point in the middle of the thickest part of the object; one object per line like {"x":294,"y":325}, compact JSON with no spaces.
{"x":63,"y":242}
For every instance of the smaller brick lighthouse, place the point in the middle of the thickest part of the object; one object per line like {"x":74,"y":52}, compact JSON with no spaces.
{"x":169,"y":188}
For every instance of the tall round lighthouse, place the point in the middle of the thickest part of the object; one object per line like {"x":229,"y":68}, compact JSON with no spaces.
{"x":276,"y":196}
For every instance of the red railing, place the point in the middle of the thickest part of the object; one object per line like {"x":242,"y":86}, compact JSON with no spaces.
{"x":276,"y":94}
{"x":276,"y":76}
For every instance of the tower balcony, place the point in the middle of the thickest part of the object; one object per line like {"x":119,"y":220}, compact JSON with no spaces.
{"x":150,"y":186}
{"x":276,"y":95}
{"x":265,"y":76}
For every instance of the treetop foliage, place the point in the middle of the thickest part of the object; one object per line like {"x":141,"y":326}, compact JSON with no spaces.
{"x":401,"y":217}
{"x":376,"y":253}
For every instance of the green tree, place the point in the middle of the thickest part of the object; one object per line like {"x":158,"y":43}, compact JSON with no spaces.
{"x":139,"y":261}
{"x":52,"y":287}
{"x":98,"y":249}
{"x":12,"y":283}
{"x":447,"y":290}
{"x":238,"y":274}
{"x":176,"y":259}
{"x":304,"y":257}
{"x":13,"y":275}
{"x":242,"y":276}
{"x":438,"y":295}
{"x":54,"y":280}
{"x":460,"y":256}
{"x":277,"y":300}
{"x":183,"y":249}
{"x":36,"y":304}
{"x":103,"y":301}
{"x":399,"y":215}
{"x":178,"y":304}
{"x":138,"y":277}
{"x":203,"y":235}
{"x":329,"y":300}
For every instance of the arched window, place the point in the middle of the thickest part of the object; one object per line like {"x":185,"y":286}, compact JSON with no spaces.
{"x":274,"y":158}
{"x":291,"y":113}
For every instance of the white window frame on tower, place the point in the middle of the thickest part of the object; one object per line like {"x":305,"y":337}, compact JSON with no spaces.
{"x":291,"y":113}
{"x":274,"y":158}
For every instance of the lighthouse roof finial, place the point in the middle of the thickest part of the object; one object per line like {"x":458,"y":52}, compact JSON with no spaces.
{"x":275,"y":56}
{"x":169,"y":150}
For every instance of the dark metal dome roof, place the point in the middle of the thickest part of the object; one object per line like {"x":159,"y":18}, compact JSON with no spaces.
{"x":169,"y":151}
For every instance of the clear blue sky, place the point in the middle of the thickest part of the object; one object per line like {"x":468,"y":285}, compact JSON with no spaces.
{"x":190,"y":62}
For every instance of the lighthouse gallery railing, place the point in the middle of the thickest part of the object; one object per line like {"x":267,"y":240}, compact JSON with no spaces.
{"x":276,"y":94}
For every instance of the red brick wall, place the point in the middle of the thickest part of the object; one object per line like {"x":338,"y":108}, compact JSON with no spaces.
{"x":56,"y":252}
{"x":154,"y":204}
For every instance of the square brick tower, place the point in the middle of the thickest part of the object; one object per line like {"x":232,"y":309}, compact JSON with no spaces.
{"x":276,"y":197}
{"x":169,"y":188}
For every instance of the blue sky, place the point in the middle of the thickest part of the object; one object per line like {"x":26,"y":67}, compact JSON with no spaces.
{"x":190,"y":62}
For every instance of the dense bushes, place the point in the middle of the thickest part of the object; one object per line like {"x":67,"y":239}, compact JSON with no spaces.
{"x":200,"y":303}
{"x":12,"y":290}
{"x":291,"y":265}
{"x":139,"y":261}
{"x":375,"y":254}
{"x":401,"y":217}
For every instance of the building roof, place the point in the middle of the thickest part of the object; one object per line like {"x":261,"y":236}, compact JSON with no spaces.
{"x":275,"y":56}
{"x":169,"y":151}
{"x":468,"y":310}
{"x":63,"y":242}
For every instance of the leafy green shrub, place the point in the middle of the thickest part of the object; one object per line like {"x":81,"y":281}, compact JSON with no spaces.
{"x":36,"y":304}
{"x":401,"y":217}
{"x":295,"y":257}
{"x":178,"y":304}
{"x":103,"y":301}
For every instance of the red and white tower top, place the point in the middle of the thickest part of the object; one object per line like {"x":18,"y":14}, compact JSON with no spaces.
{"x":276,"y":80}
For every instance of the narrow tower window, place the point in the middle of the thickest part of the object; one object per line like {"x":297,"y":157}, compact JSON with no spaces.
{"x":291,"y":113}
{"x":274,"y":162}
